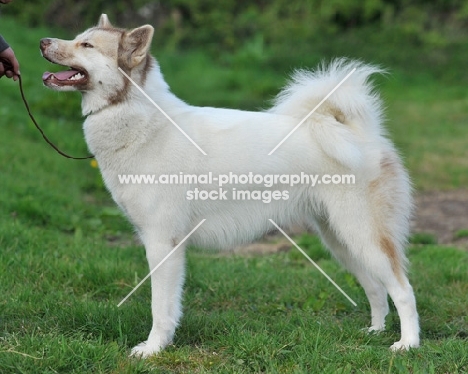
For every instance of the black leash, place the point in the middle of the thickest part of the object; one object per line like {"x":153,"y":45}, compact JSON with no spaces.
{"x":7,"y":66}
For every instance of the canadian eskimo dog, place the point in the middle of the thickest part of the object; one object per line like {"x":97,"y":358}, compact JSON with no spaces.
{"x":364,"y":225}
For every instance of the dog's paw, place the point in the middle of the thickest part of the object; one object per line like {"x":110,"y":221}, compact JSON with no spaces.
{"x":373,"y":329}
{"x":376,"y":329}
{"x":404,"y":345}
{"x":144,"y":350}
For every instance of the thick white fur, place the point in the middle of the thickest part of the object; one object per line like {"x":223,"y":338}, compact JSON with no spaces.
{"x":344,"y":136}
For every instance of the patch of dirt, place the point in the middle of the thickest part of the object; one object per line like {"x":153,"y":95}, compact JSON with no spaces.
{"x":439,"y":213}
{"x":443,"y":214}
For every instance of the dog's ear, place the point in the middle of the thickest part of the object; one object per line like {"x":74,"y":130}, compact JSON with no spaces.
{"x":135,"y":45}
{"x":104,"y":21}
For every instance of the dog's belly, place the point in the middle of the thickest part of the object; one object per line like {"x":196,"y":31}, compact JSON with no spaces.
{"x":236,"y":222}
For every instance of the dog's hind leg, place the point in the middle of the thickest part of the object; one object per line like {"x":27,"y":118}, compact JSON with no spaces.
{"x":166,"y":292}
{"x":374,"y":289}
{"x":377,"y":255}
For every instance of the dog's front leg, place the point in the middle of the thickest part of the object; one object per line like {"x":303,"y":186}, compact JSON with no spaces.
{"x":166,"y":291}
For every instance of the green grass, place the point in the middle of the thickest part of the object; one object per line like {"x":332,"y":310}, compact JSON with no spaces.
{"x":423,"y":238}
{"x":67,"y":257}
{"x":461,"y":234}
{"x":262,"y":314}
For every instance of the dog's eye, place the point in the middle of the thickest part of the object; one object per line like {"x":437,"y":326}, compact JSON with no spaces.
{"x":87,"y":45}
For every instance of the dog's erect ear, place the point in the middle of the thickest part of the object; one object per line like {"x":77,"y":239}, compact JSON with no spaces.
{"x":135,"y":45}
{"x":104,"y":21}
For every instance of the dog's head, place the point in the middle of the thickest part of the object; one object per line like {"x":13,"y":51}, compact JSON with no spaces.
{"x":93,"y":59}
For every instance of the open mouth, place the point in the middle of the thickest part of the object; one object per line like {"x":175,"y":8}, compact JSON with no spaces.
{"x":71,"y":77}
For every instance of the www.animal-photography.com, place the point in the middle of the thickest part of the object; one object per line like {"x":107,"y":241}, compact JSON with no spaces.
{"x":229,"y":187}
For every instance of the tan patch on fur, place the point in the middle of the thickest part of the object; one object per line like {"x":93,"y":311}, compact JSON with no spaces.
{"x":103,"y":42}
{"x":327,"y":110}
{"x":123,"y":58}
{"x":388,"y":171}
{"x":388,"y":166}
{"x":175,"y":242}
{"x":120,"y":95}
{"x":389,"y":249}
{"x":149,"y":62}
{"x":338,"y":114}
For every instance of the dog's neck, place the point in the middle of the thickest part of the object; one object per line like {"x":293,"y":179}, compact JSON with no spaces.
{"x":131,"y":121}
{"x":118,"y":88}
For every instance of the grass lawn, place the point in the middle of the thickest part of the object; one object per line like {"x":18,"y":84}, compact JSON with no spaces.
{"x":67,"y":256}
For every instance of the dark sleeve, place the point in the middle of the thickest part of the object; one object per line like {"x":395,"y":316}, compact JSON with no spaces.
{"x":3,"y":44}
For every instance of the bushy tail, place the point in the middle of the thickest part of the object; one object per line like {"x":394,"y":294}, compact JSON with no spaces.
{"x":354,"y":104}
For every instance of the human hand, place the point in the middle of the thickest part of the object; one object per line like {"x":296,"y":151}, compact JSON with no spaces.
{"x":9,"y":65}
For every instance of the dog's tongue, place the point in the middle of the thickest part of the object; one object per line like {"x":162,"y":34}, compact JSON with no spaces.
{"x":61,"y":75}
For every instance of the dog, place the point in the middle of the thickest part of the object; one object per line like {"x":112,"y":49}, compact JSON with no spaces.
{"x":365,"y":225}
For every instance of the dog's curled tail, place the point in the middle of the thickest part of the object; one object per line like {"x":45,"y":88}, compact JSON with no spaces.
{"x":352,"y":111}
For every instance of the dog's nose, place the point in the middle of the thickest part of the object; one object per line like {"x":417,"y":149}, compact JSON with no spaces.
{"x":45,"y":43}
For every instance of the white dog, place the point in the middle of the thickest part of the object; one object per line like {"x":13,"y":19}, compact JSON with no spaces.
{"x":364,"y":225}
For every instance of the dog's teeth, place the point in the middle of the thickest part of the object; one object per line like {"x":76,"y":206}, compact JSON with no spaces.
{"x":76,"y":77}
